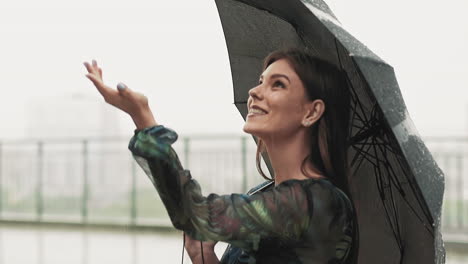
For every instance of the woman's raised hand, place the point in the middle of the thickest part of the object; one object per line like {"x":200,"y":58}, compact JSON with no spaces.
{"x":131,"y":102}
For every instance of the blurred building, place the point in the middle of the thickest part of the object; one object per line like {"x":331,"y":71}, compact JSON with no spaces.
{"x":71,"y":116}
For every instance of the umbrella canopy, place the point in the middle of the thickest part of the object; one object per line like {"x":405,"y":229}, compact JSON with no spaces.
{"x":396,"y":185}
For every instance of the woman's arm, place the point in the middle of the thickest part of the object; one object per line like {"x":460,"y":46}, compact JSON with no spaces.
{"x":136,"y":105}
{"x":239,"y":219}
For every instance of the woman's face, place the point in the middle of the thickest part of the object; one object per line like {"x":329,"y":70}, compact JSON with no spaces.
{"x":278,"y":105}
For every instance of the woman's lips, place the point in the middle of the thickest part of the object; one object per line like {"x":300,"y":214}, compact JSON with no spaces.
{"x":256,"y":112}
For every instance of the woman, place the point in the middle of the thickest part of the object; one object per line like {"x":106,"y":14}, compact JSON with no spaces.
{"x":299,"y":111}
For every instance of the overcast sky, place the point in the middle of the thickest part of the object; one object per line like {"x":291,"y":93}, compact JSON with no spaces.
{"x":175,"y":53}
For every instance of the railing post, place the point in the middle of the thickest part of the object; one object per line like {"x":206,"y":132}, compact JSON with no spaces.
{"x":85,"y":191}
{"x":39,"y":197}
{"x":1,"y":180}
{"x":244,"y":163}
{"x":448,"y":210}
{"x":186,"y":151}
{"x":460,"y":206}
{"x":133,"y":205}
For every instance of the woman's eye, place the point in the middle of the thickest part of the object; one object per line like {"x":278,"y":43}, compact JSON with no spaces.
{"x":260,"y":82}
{"x":280,"y":84}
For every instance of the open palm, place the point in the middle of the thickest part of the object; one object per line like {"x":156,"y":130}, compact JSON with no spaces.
{"x":123,"y":98}
{"x":131,"y":102}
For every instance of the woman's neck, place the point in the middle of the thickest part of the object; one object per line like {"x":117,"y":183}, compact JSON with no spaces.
{"x":286,"y":155}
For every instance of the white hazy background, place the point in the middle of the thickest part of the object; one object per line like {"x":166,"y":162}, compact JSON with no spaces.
{"x":175,"y":53}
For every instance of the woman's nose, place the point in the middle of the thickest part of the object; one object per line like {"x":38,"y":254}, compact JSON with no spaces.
{"x":255,"y":92}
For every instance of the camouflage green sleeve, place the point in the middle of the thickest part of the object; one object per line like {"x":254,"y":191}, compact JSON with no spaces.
{"x":239,"y":219}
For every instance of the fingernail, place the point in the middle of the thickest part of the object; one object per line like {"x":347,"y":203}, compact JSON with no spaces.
{"x":121,"y":86}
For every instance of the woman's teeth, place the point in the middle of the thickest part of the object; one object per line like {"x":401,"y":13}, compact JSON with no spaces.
{"x":256,"y":111}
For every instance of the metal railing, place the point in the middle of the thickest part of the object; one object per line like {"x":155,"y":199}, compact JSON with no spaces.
{"x":97,"y":181}
{"x":451,"y":154}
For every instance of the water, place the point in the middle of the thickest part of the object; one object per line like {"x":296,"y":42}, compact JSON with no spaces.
{"x":41,"y":245}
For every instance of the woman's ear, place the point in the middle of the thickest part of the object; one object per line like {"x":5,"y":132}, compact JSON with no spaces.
{"x":314,"y":110}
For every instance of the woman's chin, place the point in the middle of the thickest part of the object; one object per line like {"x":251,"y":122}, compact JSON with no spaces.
{"x":249,"y":129}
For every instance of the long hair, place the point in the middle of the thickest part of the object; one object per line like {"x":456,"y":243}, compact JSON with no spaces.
{"x":329,"y":135}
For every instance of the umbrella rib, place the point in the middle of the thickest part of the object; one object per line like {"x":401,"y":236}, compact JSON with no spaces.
{"x":412,"y":187}
{"x":338,"y":53}
{"x":364,"y":127}
{"x":360,"y":151}
{"x":355,"y":112}
{"x":388,"y":144}
{"x":431,"y":232}
{"x":390,"y":168}
{"x":367,"y":153}
{"x":357,"y":156}
{"x":361,"y":161}
{"x":401,"y":190}
{"x":383,"y":199}
{"x":370,"y":126}
{"x":364,"y":131}
{"x":424,"y":211}
{"x":348,"y":80}
{"x":395,"y":226}
{"x":359,"y":102}
{"x":380,"y":188}
{"x":399,"y":187}
{"x":370,"y":155}
{"x":395,"y":212}
{"x":359,"y":118}
{"x":361,"y":129}
{"x":396,"y":232}
{"x":388,"y":147}
{"x":377,"y":144}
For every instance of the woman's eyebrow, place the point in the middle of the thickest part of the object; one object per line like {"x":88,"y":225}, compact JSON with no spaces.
{"x":277,"y":75}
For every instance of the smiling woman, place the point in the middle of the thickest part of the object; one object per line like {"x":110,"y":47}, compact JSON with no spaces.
{"x":299,"y":112}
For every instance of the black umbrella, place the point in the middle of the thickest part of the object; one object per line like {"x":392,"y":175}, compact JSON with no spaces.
{"x":396,"y":184}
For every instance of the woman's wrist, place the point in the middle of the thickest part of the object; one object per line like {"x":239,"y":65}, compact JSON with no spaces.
{"x":209,"y":257}
{"x":144,"y":119}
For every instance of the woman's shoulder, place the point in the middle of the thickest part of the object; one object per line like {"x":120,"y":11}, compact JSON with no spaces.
{"x":317,"y":188}
{"x":330,"y":190}
{"x":311,"y":183}
{"x":261,"y":187}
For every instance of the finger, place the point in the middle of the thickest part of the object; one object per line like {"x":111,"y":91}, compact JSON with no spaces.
{"x":104,"y":90}
{"x":91,"y":68}
{"x":95,"y":66}
{"x":131,"y":95}
{"x":123,"y":89}
{"x":96,"y":81}
{"x":88,"y":67}
{"x":100,"y":72}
